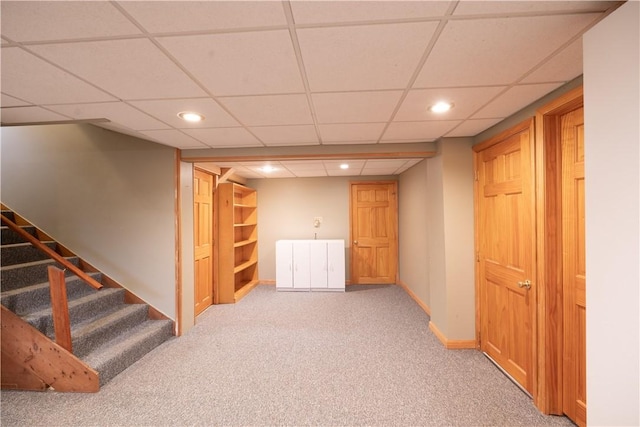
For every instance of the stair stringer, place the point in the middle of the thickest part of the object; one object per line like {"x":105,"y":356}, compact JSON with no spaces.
{"x":36,"y":362}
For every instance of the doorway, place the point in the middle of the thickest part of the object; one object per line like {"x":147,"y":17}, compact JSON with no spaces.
{"x":374,"y":232}
{"x":530,"y":269}
{"x":505,"y":251}
{"x":203,"y":185}
{"x":561,"y":254}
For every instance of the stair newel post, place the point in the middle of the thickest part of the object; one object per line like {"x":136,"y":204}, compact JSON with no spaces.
{"x":60,"y":308}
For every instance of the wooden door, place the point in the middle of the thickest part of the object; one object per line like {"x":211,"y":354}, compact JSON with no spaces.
{"x":574,"y":387}
{"x":505,"y":251}
{"x":203,"y":239}
{"x":374,"y":225}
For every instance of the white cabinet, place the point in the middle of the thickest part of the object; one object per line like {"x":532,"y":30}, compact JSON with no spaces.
{"x":303,"y":265}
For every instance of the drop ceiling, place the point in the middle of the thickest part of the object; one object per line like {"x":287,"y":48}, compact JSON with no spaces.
{"x":288,"y":73}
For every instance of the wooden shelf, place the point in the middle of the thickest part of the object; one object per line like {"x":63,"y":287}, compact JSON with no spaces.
{"x":237,"y":271}
{"x":244,"y":243}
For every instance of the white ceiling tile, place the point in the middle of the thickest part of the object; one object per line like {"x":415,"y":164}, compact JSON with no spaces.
{"x":287,"y":135}
{"x":315,"y":167}
{"x":179,"y":16}
{"x":317,"y":12}
{"x":32,"y":79}
{"x":357,"y":132}
{"x":563,"y":67}
{"x":472,"y":127}
{"x":59,"y":20}
{"x":363,"y":57}
{"x":475,"y":7}
{"x":174,"y":138}
{"x":334,"y":165}
{"x":29,"y":115}
{"x":239,"y":63}
{"x":270,"y":109}
{"x":117,"y":112}
{"x":466,"y":102}
{"x":224,"y":137}
{"x":515,"y":99}
{"x":129,"y":69}
{"x":417,"y":131}
{"x":352,"y":107}
{"x":385,"y":163}
{"x":311,"y":173}
{"x":495,"y":51}
{"x":345,"y":172}
{"x":378,"y":171}
{"x":10,"y":101}
{"x":278,"y":172}
{"x":167,"y":110}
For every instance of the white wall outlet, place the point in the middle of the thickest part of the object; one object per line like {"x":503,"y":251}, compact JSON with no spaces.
{"x":317,"y":221}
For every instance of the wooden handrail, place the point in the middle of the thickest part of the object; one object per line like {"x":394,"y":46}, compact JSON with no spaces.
{"x":51,"y":253}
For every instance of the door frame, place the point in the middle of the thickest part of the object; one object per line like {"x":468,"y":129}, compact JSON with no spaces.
{"x":548,"y":167}
{"x":351,"y":238}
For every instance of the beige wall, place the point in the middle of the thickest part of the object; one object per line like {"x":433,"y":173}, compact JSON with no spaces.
{"x":457,"y":158}
{"x":413,"y":206}
{"x":612,"y":193}
{"x":287,"y":206}
{"x":449,"y":221}
{"x":187,"y":246}
{"x":108,"y":197}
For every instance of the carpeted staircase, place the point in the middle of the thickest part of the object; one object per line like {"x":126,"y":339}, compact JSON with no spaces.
{"x":107,"y":334}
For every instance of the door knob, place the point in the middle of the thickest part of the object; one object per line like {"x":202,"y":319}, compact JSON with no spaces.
{"x":355,"y":242}
{"x":526,"y":284}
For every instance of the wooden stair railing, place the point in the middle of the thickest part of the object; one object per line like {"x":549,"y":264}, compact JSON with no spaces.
{"x":60,"y":308}
{"x":51,"y":253}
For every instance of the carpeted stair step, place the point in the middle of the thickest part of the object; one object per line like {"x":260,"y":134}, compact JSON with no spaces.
{"x":22,"y":253}
{"x":80,"y":309}
{"x":98,"y":330}
{"x":21,"y":275}
{"x":36,"y":297}
{"x":10,"y":237}
{"x":115,"y":356}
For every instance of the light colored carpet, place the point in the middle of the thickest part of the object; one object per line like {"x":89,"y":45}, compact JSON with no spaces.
{"x":363,"y":357}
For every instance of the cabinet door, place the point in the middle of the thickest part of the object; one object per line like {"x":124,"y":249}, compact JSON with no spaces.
{"x":301,"y":274}
{"x":284,"y":264}
{"x":318,"y":268}
{"x":335,"y":264}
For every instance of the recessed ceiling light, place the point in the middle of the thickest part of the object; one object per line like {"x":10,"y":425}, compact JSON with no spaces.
{"x":441,"y":107}
{"x":344,"y":166}
{"x":190,"y":116}
{"x":267,"y":168}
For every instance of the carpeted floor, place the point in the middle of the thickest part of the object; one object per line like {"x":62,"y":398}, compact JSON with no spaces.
{"x":364,"y":357}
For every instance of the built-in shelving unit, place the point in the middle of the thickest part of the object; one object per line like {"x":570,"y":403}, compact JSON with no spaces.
{"x":237,"y":241}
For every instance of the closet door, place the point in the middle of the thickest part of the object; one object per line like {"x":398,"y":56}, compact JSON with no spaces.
{"x":301,"y":267}
{"x":284,"y":264}
{"x":318,"y":267}
{"x":335,"y":264}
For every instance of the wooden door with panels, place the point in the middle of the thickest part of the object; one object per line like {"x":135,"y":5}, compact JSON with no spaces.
{"x":203,"y":184}
{"x":374,"y":232}
{"x":574,"y":399}
{"x":561,"y":257}
{"x":505,"y":251}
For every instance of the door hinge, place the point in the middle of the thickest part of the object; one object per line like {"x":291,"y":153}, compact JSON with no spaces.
{"x":476,"y":175}
{"x":477,"y":256}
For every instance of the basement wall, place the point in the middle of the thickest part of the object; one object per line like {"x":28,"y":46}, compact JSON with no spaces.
{"x":287,"y":206}
{"x":108,"y":197}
